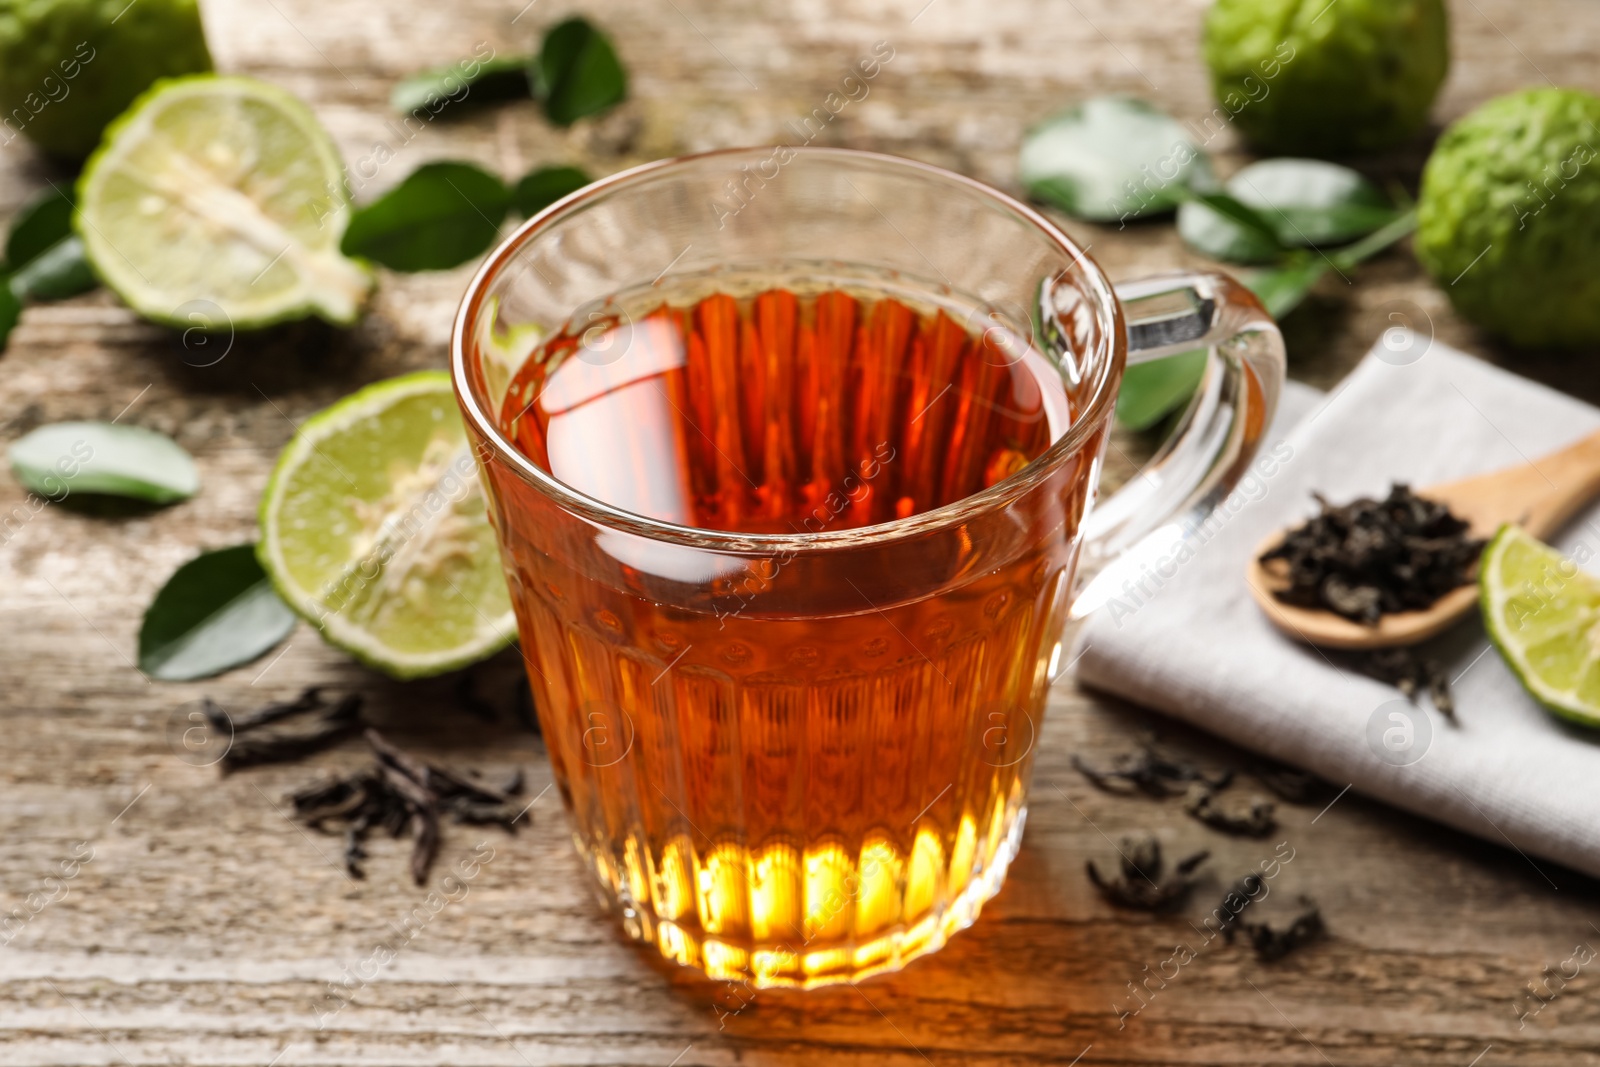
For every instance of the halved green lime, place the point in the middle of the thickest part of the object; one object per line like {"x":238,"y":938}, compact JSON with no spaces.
{"x":374,"y":528}
{"x":220,"y":202}
{"x":1543,"y":612}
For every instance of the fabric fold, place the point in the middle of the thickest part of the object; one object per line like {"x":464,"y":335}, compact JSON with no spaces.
{"x":1185,"y":637}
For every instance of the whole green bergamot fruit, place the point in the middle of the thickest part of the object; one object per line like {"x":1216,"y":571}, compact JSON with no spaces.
{"x":1508,"y":222}
{"x":1325,"y":77}
{"x":68,"y":67}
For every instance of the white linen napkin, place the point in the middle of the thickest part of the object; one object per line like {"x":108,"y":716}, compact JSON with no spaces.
{"x":1193,"y":644}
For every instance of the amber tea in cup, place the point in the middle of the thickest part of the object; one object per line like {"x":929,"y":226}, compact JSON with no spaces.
{"x":790,"y":528}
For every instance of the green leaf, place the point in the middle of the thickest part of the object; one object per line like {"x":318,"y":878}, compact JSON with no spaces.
{"x":217,"y":611}
{"x":1150,"y":390}
{"x":1223,"y":228}
{"x":1283,"y":287}
{"x":1112,"y":158}
{"x":102,"y":457}
{"x":10,"y":311}
{"x":1347,"y":257}
{"x":543,"y":187}
{"x":1311,"y":203}
{"x":469,"y":81}
{"x":45,"y":220}
{"x":440,"y":216}
{"x":60,"y":271}
{"x":577,"y":73}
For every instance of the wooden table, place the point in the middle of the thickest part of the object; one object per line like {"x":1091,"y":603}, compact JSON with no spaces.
{"x":207,"y":928}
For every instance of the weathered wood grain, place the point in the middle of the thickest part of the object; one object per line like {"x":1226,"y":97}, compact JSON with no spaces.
{"x":206,"y":928}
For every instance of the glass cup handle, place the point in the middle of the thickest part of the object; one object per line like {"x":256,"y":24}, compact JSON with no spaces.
{"x":1216,"y":437}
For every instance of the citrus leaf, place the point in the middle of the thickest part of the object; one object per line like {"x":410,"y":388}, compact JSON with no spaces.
{"x":10,"y":311}
{"x":469,"y":81}
{"x":1150,"y":390}
{"x":1311,"y":203}
{"x":577,"y":72}
{"x":217,"y":611}
{"x":102,"y":457}
{"x":45,"y":220}
{"x":1112,"y":158}
{"x":60,"y":271}
{"x":440,"y":216}
{"x":1376,"y":241}
{"x":1223,"y":228}
{"x":1281,"y":289}
{"x":543,"y":187}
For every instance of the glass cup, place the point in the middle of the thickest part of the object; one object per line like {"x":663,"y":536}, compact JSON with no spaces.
{"x":796,"y":758}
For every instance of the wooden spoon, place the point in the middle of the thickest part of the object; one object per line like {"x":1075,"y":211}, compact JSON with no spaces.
{"x":1540,"y":496}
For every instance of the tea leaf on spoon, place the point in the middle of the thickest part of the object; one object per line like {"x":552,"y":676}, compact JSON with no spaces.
{"x":217,"y":611}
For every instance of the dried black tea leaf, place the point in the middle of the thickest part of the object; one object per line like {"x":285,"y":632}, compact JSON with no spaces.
{"x":1411,"y":674}
{"x":1290,"y":784}
{"x":1257,"y":818}
{"x":399,"y":794}
{"x":1142,"y":885}
{"x":1268,"y":942}
{"x":1274,"y":944}
{"x":1148,"y":770}
{"x":1370,"y":558}
{"x":309,"y":699}
{"x":402,"y":794}
{"x":1234,"y":902}
{"x":254,"y":745}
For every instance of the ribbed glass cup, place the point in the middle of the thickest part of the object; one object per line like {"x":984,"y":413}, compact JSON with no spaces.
{"x":794,"y":758}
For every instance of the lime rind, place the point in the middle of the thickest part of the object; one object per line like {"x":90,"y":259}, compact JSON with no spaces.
{"x":286,"y":263}
{"x":400,"y":565}
{"x":1543,"y":613}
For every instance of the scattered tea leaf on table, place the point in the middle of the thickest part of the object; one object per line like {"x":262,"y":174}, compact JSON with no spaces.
{"x":1150,"y":390}
{"x":45,"y":220}
{"x":60,"y":271}
{"x":543,"y":187}
{"x":1224,"y":228}
{"x":577,"y":72}
{"x":216,"y":612}
{"x":440,"y":216}
{"x":1112,"y":158}
{"x":1310,"y":202}
{"x":468,"y":81}
{"x":102,"y":457}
